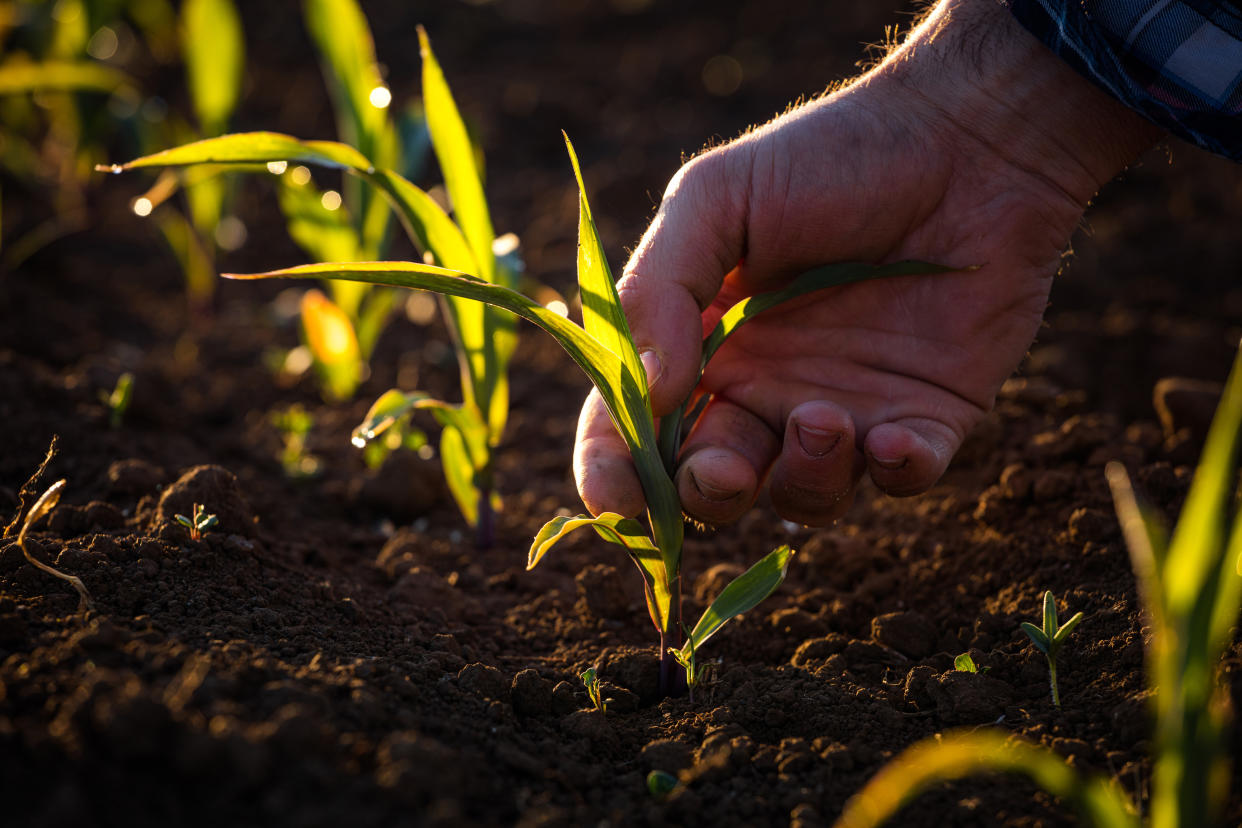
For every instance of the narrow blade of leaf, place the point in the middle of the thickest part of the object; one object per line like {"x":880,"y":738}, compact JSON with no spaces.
{"x":625,"y":532}
{"x":211,"y":38}
{"x":384,"y":413}
{"x":343,"y":38}
{"x":741,"y":595}
{"x":455,"y":153}
{"x":332,"y":342}
{"x":817,"y":279}
{"x":1063,"y":632}
{"x":1146,"y":538}
{"x":55,"y":76}
{"x":958,"y":754}
{"x":252,"y":148}
{"x":1050,"y":614}
{"x":1036,"y":635}
{"x":459,"y":473}
{"x":602,"y":315}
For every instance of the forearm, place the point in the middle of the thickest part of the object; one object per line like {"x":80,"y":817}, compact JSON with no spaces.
{"x":1000,"y":86}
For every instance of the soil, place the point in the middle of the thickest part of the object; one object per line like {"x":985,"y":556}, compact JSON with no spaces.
{"x":336,"y":651}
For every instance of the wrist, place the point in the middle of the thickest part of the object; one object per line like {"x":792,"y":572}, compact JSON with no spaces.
{"x":994,"y":84}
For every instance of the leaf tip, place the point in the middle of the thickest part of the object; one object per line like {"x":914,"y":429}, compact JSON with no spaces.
{"x":114,"y":169}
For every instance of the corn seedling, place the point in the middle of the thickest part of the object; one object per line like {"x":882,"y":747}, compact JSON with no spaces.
{"x":1190,"y":585}
{"x":965,"y":664}
{"x":294,"y":424}
{"x":1050,"y":639}
{"x":117,"y":402}
{"x":199,"y":523}
{"x":590,"y":680}
{"x":604,"y":349}
{"x":484,"y":336}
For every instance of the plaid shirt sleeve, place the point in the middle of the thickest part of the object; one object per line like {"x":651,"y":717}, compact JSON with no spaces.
{"x":1177,"y":62}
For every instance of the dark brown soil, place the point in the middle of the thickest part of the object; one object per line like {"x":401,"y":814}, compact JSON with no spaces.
{"x":336,"y":652}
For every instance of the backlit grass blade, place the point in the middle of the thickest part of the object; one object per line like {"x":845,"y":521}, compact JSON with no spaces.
{"x":621,"y":395}
{"x":816,"y":279}
{"x":195,"y":261}
{"x":625,"y":532}
{"x":1147,"y":540}
{"x":459,"y":472}
{"x":17,"y":78}
{"x":742,"y":594}
{"x":602,"y":314}
{"x":331,"y":339}
{"x":211,"y":40}
{"x":960,"y":754}
{"x":343,"y":38}
{"x":453,"y":149}
{"x":347,"y":49}
{"x":427,"y":223}
{"x":384,"y":413}
{"x":252,"y":148}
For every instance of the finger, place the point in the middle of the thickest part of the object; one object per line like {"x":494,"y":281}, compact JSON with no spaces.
{"x":813,"y":481}
{"x":695,"y":239}
{"x":908,"y":456}
{"x":603,"y":469}
{"x":724,"y":462}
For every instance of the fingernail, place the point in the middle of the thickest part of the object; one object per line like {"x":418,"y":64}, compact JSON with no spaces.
{"x":817,"y":442}
{"x":653,"y":366}
{"x":710,"y":492}
{"x":890,"y":463}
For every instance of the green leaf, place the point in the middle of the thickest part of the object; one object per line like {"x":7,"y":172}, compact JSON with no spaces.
{"x":343,"y":38}
{"x":22,"y":77}
{"x":453,"y":149}
{"x":602,"y":315}
{"x":252,"y":148}
{"x":1063,"y":632}
{"x":459,"y":473}
{"x":428,"y":225}
{"x":1036,"y":635}
{"x":1147,"y":539}
{"x":384,"y":413}
{"x":740,"y":596}
{"x":1050,"y":615}
{"x":817,"y":279}
{"x":965,"y":664}
{"x":194,"y":258}
{"x":333,"y":344}
{"x":627,"y":533}
{"x":211,"y":39}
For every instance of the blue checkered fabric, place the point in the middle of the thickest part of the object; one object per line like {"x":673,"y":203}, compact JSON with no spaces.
{"x":1177,"y":62}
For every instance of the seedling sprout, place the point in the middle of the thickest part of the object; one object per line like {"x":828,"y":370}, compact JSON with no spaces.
{"x":118,"y":401}
{"x":660,"y":784}
{"x":965,"y":664}
{"x":199,"y":523}
{"x":1050,"y":639}
{"x":590,"y":680}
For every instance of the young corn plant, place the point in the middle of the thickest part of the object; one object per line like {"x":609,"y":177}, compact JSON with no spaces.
{"x":604,"y":349}
{"x":1190,"y":585}
{"x":1050,"y":639}
{"x":484,"y":336}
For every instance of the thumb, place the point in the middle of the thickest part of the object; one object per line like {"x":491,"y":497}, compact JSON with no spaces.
{"x":697,"y":236}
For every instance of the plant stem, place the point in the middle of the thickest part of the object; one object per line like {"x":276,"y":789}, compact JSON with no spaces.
{"x":672,"y":674}
{"x":1052,"y":679}
{"x":485,"y":529}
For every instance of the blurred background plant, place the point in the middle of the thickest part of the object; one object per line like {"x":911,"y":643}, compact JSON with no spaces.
{"x":66,"y":97}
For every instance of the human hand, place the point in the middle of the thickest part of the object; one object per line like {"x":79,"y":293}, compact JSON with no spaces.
{"x":969,"y":145}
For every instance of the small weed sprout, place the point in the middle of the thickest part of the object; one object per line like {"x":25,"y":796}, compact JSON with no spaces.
{"x":1050,"y":639}
{"x":118,"y":401}
{"x":200,"y":523}
{"x":590,"y":680}
{"x":965,"y":664}
{"x":294,"y":424}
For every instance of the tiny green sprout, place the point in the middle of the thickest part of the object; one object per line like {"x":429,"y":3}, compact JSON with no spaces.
{"x":118,"y":401}
{"x":661,"y":783}
{"x":295,"y":424}
{"x":590,"y":680}
{"x":689,"y":662}
{"x":200,"y":523}
{"x":965,"y":664}
{"x":1050,"y":639}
